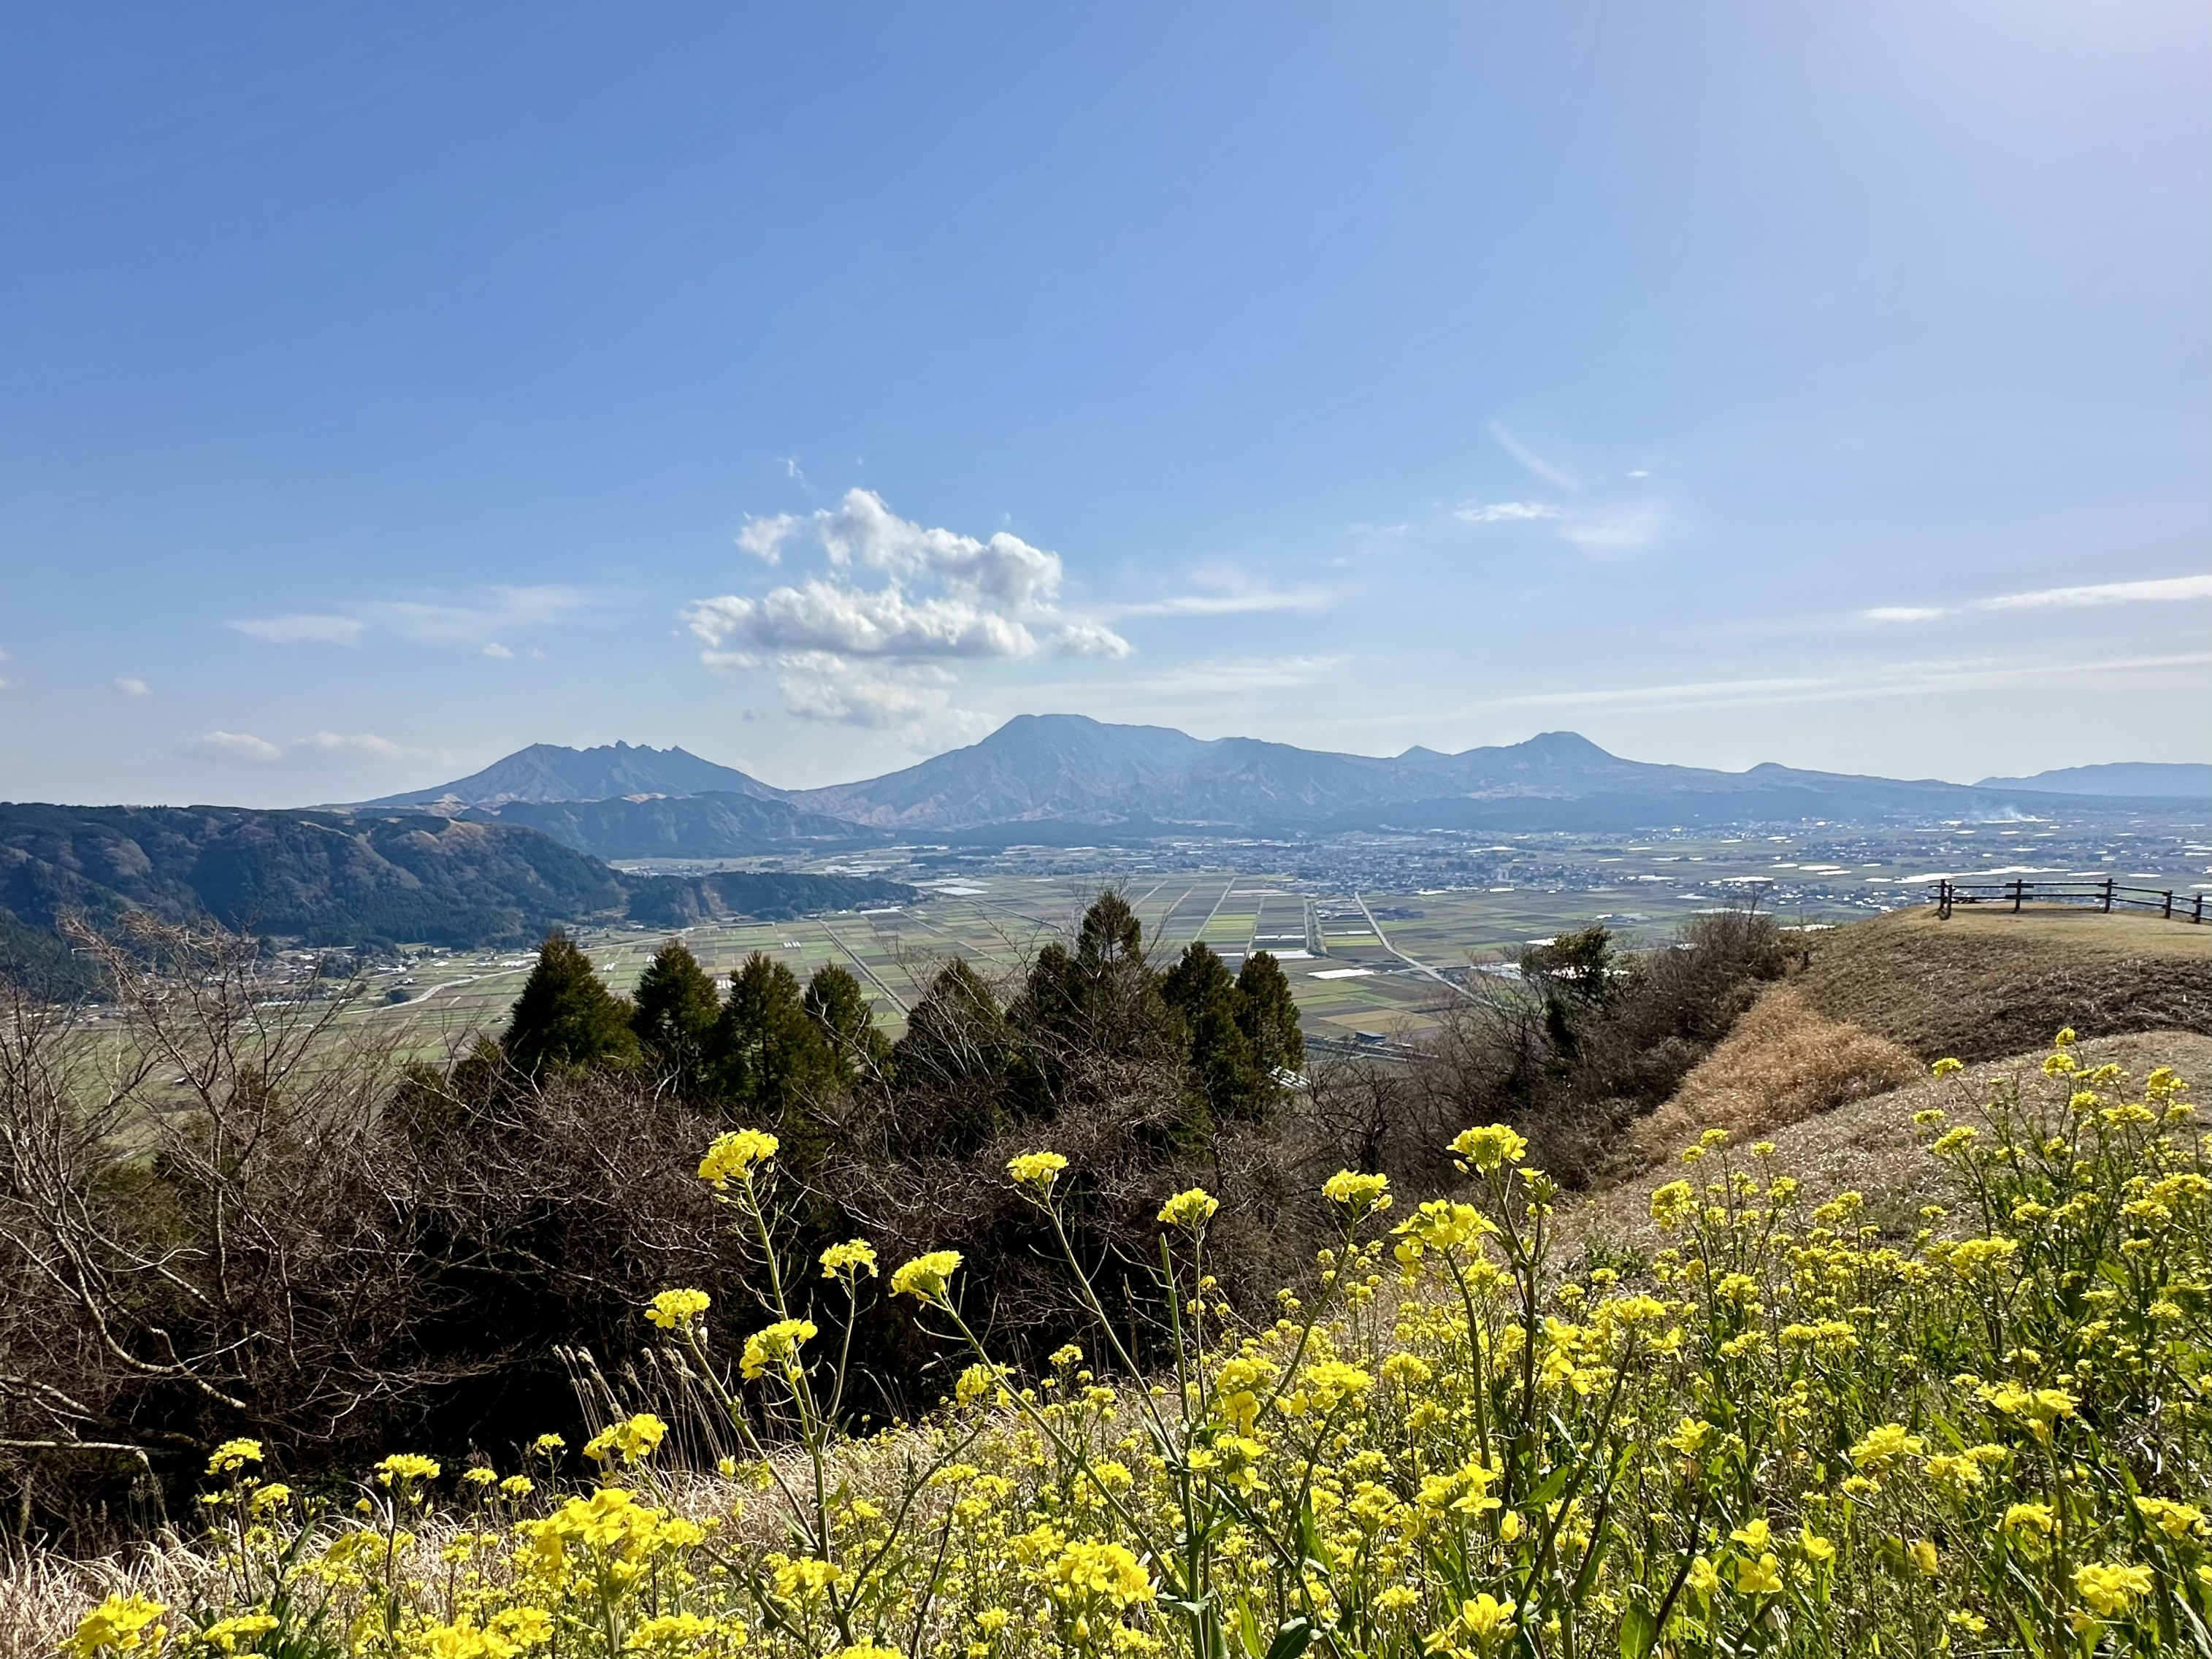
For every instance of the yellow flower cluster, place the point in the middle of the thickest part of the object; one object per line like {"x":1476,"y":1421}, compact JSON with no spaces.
{"x":1793,"y":1430}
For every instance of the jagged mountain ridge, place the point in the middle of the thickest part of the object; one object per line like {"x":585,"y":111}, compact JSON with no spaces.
{"x":1074,"y":773}
{"x":1068,"y":768}
{"x":550,"y":772}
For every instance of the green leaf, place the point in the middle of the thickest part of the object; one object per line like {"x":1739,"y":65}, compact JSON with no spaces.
{"x":1639,"y":1633}
{"x":1290,"y":1639}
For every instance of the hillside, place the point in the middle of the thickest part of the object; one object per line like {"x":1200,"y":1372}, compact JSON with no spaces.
{"x":549,"y":772}
{"x":713,"y":824}
{"x":321,"y":876}
{"x":1871,"y":1145}
{"x":2143,"y":780}
{"x":1982,"y":985}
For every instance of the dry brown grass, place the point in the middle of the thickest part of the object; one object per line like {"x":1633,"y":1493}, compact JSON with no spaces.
{"x":1870,"y":1145}
{"x":1984,"y":984}
{"x":1784,"y":1061}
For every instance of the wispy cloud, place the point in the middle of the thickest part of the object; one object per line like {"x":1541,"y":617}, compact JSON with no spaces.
{"x":2169,"y":590}
{"x":474,"y":619}
{"x":1895,"y":680}
{"x":2139,"y":592}
{"x":1558,"y":476}
{"x":1903,"y":613}
{"x":244,"y":747}
{"x":1229,"y":602}
{"x":302,"y":630}
{"x":1504,"y":512}
{"x":130,"y":686}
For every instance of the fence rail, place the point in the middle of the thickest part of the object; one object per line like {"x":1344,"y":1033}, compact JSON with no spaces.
{"x":2107,"y":896}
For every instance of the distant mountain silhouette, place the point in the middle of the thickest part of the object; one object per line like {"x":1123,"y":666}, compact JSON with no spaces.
{"x":547,"y":771}
{"x":1068,"y":779}
{"x":1068,"y":769}
{"x":2144,"y":779}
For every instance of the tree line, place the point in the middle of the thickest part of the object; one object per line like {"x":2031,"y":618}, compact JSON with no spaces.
{"x":765,"y":1049}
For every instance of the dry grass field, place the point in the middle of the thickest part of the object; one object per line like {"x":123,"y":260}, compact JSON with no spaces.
{"x":1985,"y":984}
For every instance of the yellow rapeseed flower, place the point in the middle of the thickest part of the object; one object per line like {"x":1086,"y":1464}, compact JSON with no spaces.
{"x":1037,"y":1169}
{"x":676,"y":1310}
{"x":734,"y":1156}
{"x":1489,"y":1148}
{"x":1192,"y":1208}
{"x":926,"y":1277}
{"x":852,"y":1258}
{"x":1357,"y":1193}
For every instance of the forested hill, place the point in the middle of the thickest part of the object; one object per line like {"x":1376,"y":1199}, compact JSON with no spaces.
{"x":321,"y":876}
{"x":348,"y":879}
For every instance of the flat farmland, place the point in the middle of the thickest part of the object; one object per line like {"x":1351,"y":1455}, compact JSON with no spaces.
{"x":1348,"y":977}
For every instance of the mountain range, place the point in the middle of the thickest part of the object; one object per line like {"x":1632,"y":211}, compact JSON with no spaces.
{"x":1059,"y":777}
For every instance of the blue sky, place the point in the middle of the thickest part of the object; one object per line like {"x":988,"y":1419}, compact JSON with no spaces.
{"x":383,"y":388}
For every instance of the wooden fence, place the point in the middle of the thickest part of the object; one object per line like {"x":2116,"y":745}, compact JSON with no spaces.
{"x":2107,"y":896}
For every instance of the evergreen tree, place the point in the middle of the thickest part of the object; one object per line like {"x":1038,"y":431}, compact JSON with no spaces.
{"x":835,"y":1003}
{"x":1088,"y":1016}
{"x":959,"y":1065}
{"x":565,"y":1019}
{"x":675,"y":1016}
{"x":768,"y":1057}
{"x":1224,"y":1069}
{"x":1270,"y":1014}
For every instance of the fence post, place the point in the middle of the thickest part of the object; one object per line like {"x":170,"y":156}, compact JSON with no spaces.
{"x":1942,"y":901}
{"x":2169,"y":907}
{"x":2019,"y":888}
{"x":2108,"y":895}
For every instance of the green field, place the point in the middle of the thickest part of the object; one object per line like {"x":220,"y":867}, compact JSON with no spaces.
{"x":1347,"y":979}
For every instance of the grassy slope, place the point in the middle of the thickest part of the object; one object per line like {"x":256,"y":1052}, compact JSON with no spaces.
{"x":1985,"y":984}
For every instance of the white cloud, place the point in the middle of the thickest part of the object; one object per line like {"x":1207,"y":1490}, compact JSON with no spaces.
{"x":824,"y":686}
{"x":1504,"y":512}
{"x":1903,"y":613}
{"x":244,"y":748}
{"x":873,"y":656}
{"x":131,"y":686}
{"x":1091,"y":639}
{"x":764,"y":537}
{"x":498,"y":653}
{"x":475,"y":621}
{"x":2167,"y":588}
{"x":1558,"y":476}
{"x":825,"y":616}
{"x":302,"y":630}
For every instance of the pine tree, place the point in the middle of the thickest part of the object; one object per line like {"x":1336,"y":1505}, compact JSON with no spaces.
{"x":1089,"y":1017}
{"x":1270,"y":1014}
{"x":768,"y":1058}
{"x":1224,"y":1069}
{"x":958,"y":1067}
{"x":834,"y":1002}
{"x":565,"y":1019}
{"x":676,"y":1010}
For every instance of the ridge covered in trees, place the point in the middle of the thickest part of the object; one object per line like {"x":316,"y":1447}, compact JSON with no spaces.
{"x":347,"y":879}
